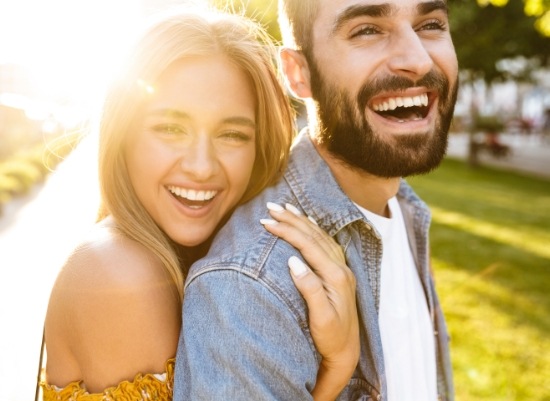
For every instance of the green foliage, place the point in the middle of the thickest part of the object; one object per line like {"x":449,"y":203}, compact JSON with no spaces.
{"x":20,"y":172}
{"x":533,"y":8}
{"x":489,"y":241}
{"x":485,"y":35}
{"x":9,"y":185}
{"x":489,"y":123}
{"x":262,"y":11}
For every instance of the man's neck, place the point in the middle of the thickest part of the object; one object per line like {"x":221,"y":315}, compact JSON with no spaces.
{"x":368,"y":191}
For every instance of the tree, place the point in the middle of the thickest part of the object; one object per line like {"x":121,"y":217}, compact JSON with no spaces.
{"x":498,"y":40}
{"x":262,"y":11}
{"x":532,"y":8}
{"x":485,"y":35}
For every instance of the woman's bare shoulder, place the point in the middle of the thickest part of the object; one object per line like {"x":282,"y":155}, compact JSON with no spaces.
{"x":113,"y":311}
{"x":107,"y":258}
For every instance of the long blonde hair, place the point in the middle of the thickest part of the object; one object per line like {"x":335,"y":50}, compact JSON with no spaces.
{"x":173,"y":37}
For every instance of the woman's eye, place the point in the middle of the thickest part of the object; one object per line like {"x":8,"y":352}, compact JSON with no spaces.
{"x":236,"y":136}
{"x":168,"y":129}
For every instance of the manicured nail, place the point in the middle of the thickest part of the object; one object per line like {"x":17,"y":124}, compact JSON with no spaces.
{"x":297,"y":267}
{"x":293,"y":209}
{"x":268,"y":222}
{"x":275,"y":207}
{"x":312,"y":220}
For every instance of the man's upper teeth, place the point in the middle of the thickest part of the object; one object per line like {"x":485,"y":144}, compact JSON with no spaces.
{"x":394,"y":102}
{"x":192,"y":194}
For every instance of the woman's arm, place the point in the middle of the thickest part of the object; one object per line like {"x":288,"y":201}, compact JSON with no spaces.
{"x":328,"y":286}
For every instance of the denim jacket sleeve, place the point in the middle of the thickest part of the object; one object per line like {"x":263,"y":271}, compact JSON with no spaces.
{"x":236,"y":347}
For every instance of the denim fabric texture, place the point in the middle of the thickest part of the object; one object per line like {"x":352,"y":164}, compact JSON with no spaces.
{"x":245,"y":334}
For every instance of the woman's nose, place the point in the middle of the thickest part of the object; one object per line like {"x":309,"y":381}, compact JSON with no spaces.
{"x":200,"y":159}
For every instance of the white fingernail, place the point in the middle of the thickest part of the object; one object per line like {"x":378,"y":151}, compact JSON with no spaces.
{"x":268,"y":221}
{"x":293,"y":209}
{"x":275,"y":207}
{"x":312,"y":220}
{"x":297,"y":267}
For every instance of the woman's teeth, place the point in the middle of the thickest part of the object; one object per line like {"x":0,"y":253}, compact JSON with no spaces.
{"x":192,"y":194}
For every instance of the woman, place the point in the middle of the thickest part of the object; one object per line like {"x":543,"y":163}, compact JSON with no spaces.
{"x":196,"y":124}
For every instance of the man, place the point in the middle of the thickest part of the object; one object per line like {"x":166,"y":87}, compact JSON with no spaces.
{"x":380,"y":79}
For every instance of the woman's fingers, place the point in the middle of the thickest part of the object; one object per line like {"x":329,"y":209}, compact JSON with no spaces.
{"x":305,"y":235}
{"x":328,"y":286}
{"x":309,"y":285}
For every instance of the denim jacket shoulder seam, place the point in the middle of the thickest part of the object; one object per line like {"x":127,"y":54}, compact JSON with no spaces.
{"x":270,"y":285}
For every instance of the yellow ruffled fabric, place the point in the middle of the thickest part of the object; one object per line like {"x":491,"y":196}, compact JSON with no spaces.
{"x":143,"y":387}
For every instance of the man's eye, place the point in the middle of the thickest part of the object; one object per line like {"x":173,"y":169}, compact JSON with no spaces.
{"x":433,"y":25}
{"x":364,"y":30}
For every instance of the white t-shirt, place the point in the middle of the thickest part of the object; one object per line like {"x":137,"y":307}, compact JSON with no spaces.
{"x":405,"y":325}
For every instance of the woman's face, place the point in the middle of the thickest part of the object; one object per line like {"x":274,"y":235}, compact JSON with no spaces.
{"x":191,"y":154}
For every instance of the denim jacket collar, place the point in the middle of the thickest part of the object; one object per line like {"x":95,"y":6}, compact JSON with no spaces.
{"x":331,"y":208}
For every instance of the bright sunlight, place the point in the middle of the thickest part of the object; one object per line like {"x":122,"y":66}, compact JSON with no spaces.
{"x":67,"y":47}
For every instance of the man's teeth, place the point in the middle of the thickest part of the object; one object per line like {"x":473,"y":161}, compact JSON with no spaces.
{"x":394,"y":102}
{"x":191,"y":194}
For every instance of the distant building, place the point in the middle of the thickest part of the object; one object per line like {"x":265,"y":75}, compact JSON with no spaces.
{"x":15,"y":79}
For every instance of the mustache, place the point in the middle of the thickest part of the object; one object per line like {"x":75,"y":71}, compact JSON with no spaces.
{"x":433,"y":81}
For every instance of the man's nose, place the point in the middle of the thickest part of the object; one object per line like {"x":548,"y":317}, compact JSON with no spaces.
{"x":409,"y":56}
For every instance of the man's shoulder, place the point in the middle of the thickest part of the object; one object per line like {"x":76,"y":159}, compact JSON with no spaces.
{"x":245,"y":253}
{"x":243,"y":243}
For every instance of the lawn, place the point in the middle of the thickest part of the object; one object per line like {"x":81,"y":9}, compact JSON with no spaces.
{"x":490,"y":241}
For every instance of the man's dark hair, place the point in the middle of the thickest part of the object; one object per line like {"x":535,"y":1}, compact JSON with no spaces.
{"x":296,"y":19}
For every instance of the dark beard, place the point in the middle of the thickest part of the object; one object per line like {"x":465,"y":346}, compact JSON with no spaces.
{"x":345,"y":132}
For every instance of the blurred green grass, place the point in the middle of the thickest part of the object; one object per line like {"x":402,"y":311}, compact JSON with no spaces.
{"x":490,"y":241}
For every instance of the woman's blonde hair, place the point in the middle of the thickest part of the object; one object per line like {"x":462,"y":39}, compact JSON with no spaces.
{"x":171,"y":38}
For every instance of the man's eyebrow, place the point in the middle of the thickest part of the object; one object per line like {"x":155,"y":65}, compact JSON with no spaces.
{"x":359,"y":10}
{"x":383,"y":10}
{"x":430,"y":6}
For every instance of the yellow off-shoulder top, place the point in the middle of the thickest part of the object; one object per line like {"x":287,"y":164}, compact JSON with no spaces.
{"x":144,"y":387}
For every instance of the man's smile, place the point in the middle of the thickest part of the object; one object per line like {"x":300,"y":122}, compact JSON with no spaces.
{"x":402,"y":108}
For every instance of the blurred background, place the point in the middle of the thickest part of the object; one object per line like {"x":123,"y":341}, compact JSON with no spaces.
{"x":490,"y":199}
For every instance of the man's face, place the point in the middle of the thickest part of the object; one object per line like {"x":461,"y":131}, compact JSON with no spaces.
{"x":384,"y":77}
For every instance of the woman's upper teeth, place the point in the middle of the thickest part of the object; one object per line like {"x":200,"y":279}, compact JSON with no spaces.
{"x":406,"y":101}
{"x":192,"y":194}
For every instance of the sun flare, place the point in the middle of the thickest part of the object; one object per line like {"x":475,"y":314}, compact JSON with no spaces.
{"x":68,"y":48}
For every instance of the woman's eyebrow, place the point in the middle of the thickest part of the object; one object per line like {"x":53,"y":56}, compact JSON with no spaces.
{"x":169,"y":113}
{"x":245,"y":121}
{"x":174,"y":113}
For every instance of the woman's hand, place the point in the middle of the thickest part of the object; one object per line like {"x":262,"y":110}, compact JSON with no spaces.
{"x":328,"y":286}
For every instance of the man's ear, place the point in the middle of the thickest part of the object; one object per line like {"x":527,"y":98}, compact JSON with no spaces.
{"x":296,"y":71}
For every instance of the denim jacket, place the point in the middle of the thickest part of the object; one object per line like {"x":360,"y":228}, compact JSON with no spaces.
{"x":245,"y":332}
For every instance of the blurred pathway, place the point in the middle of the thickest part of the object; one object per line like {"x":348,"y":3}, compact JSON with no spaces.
{"x":36,"y":232}
{"x":530,"y":154}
